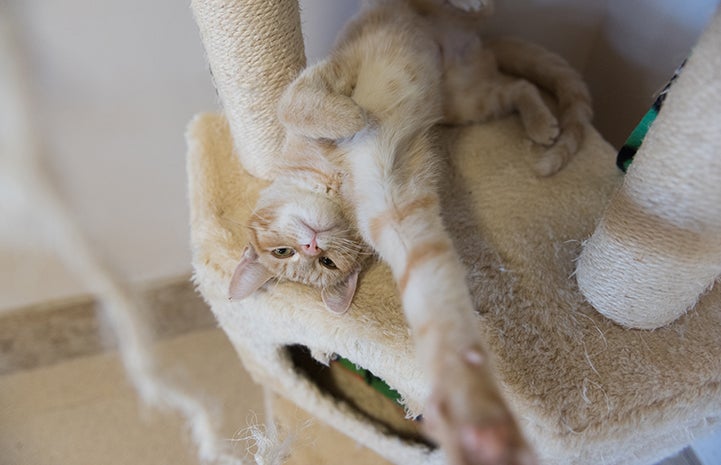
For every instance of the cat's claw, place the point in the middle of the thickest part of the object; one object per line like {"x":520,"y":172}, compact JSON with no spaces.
{"x":470,"y":421}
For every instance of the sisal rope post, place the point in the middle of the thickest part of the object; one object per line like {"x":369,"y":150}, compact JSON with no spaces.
{"x":254,"y":48}
{"x":658,"y":246}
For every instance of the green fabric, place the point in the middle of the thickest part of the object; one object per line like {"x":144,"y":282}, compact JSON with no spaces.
{"x":371,"y":379}
{"x":634,"y":141}
{"x":640,"y":131}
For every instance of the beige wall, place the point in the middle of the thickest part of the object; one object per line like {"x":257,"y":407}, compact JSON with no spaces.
{"x":117,"y":81}
{"x":626,"y":49}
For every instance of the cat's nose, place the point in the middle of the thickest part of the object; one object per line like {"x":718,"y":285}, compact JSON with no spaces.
{"x":312,"y":248}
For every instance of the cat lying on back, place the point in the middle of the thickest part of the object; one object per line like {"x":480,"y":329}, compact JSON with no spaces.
{"x":360,"y":176}
{"x":295,"y":210}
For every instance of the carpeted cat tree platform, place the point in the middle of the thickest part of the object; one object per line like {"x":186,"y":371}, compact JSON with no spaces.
{"x":587,"y":390}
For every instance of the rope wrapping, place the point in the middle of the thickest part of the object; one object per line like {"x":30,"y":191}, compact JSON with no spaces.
{"x":658,"y":247}
{"x":255,"y":49}
{"x":661,"y":224}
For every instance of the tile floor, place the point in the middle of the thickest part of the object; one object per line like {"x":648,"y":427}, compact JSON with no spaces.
{"x":64,"y":399}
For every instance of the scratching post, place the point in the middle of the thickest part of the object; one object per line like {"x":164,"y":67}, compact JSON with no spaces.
{"x":658,"y":246}
{"x":254,"y":48}
{"x":586,"y":390}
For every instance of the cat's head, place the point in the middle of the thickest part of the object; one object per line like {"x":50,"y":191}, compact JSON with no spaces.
{"x":301,"y":234}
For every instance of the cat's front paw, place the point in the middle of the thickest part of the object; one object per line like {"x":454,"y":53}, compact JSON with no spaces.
{"x":344,"y":117}
{"x":469,"y":419}
{"x":319,"y":114}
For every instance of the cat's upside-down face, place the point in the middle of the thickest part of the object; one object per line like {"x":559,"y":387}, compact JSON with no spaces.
{"x":301,"y":234}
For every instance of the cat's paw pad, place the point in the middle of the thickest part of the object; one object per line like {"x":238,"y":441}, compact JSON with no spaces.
{"x":472,"y":6}
{"x":468,"y":418}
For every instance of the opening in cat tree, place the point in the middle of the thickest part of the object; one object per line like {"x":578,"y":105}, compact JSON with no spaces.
{"x":347,"y":387}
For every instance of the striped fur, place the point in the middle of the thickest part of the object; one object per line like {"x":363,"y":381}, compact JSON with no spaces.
{"x":360,"y":164}
{"x":378,"y":96}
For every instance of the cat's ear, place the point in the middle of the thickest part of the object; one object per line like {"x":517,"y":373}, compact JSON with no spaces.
{"x":338,"y":298}
{"x":249,"y":275}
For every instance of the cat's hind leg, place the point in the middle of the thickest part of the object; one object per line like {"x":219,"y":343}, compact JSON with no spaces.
{"x":467,"y":101}
{"x":573,"y":124}
{"x":539,"y":122}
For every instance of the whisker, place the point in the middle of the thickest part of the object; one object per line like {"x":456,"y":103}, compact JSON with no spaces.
{"x":349,"y":245}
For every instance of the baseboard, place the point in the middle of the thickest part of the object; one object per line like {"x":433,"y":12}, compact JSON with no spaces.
{"x":51,"y":332}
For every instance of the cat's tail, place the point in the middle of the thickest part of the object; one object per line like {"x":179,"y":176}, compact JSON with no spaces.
{"x":555,"y":74}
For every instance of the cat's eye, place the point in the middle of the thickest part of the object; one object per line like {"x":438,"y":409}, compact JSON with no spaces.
{"x":328,"y":263}
{"x":283,"y":252}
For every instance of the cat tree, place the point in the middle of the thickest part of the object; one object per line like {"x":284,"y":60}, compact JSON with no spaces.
{"x":586,"y":389}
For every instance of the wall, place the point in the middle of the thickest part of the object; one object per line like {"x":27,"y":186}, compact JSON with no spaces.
{"x":116,"y":82}
{"x":640,"y":44}
{"x":625,"y":49}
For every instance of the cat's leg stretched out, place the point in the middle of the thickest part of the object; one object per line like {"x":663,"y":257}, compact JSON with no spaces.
{"x":398,"y":213}
{"x":391,"y":185}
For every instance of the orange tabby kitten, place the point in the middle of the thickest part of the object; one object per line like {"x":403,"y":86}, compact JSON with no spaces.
{"x":480,"y":81}
{"x":360,"y":169}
